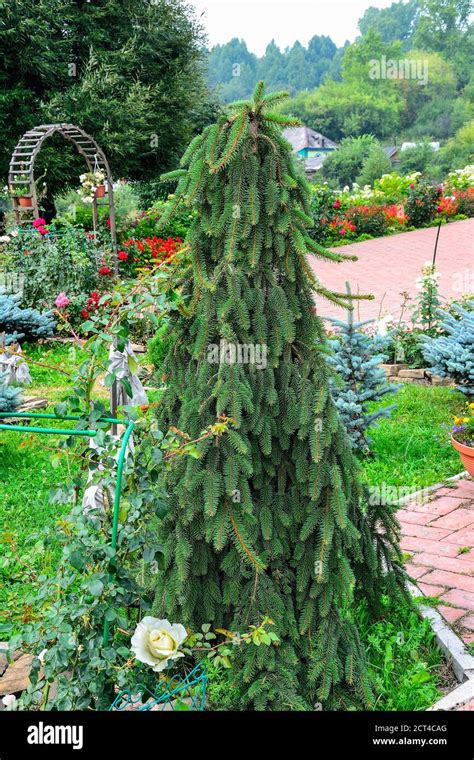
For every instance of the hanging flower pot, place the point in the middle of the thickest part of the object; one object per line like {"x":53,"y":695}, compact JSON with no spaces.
{"x":462,"y":438}
{"x":92,"y":185}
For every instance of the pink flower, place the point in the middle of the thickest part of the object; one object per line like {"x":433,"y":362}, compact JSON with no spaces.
{"x":337,"y":203}
{"x":42,"y":230}
{"x":39,"y":222}
{"x":62,"y":301}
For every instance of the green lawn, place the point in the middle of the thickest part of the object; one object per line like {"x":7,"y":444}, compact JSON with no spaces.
{"x":411,"y":448}
{"x":26,"y":478}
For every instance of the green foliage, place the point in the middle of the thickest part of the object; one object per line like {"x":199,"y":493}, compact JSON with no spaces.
{"x":270,"y":519}
{"x":149,"y":222}
{"x":405,"y":663}
{"x":65,"y":261}
{"x":122,"y":72}
{"x":376,"y":164}
{"x":343,"y":166}
{"x":416,"y":159}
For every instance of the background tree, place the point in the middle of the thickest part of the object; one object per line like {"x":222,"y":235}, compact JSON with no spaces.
{"x":270,"y":519}
{"x":343,"y":166}
{"x":397,"y":22}
{"x":117,"y":68}
{"x":375,"y":166}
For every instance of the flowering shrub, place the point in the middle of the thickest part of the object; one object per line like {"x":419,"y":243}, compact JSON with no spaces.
{"x":397,"y":186}
{"x":395,"y":215}
{"x":422,"y":204}
{"x":146,"y":254}
{"x":463,"y":427}
{"x":447,"y":206}
{"x":58,"y":264}
{"x":425,"y":309}
{"x":368,"y":220}
{"x":461,"y":179}
{"x":465,"y":201}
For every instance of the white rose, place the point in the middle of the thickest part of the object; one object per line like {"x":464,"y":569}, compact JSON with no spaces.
{"x":9,"y":701}
{"x":156,"y":642}
{"x":42,"y":655}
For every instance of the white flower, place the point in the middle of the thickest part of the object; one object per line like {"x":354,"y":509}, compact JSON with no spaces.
{"x":383,"y":324}
{"x":9,"y":701}
{"x":4,"y":239}
{"x":42,"y":655}
{"x":14,"y":233}
{"x":156,"y":642}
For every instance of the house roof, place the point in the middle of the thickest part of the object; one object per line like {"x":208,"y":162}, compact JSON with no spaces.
{"x":391,"y":150}
{"x":305,"y":137}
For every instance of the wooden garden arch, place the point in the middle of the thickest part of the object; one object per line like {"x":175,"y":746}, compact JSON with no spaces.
{"x":22,"y":164}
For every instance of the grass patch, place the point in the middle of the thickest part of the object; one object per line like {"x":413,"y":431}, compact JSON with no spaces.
{"x":412,"y":448}
{"x":26,"y":478}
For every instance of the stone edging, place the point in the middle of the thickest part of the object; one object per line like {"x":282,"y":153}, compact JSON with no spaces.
{"x":403,"y":374}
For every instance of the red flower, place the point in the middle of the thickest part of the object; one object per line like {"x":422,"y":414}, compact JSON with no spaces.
{"x":105,"y":271}
{"x":39,"y":222}
{"x":84,"y":313}
{"x":42,"y":230}
{"x":122,"y":255}
{"x":337,"y":203}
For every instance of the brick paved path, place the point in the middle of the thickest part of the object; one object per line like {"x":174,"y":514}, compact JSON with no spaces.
{"x":389,"y":265}
{"x":439,"y":536}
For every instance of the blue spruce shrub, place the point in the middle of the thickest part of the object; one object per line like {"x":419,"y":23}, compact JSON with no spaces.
{"x":452,"y":354}
{"x":23,"y":324}
{"x":9,"y":396}
{"x":356,"y":358}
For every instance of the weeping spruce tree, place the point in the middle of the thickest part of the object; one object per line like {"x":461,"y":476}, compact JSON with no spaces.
{"x":270,"y":519}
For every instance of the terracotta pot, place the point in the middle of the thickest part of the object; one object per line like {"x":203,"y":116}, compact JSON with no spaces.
{"x":467,"y":455}
{"x":100,"y":191}
{"x":24,"y":201}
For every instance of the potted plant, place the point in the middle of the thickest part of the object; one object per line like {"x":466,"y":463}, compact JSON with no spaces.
{"x":462,"y":438}
{"x":22,"y":190}
{"x":92,"y":185}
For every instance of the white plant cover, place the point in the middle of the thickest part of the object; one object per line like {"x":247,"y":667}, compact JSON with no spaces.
{"x":120,"y":363}
{"x":14,"y":368}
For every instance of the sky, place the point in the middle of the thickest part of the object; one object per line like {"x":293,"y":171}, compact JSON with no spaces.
{"x":260,"y":21}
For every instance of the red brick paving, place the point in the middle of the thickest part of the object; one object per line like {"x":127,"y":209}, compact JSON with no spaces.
{"x":388,"y":266}
{"x":435,"y":562}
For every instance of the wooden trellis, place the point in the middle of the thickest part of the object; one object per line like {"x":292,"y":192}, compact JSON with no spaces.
{"x":22,"y":164}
